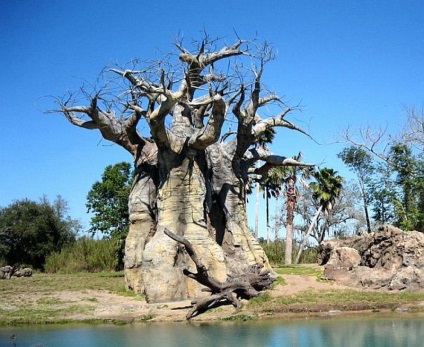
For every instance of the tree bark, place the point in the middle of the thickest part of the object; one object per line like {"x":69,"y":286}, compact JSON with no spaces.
{"x":291,"y":202}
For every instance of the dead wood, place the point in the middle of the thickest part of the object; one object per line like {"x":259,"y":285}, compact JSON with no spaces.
{"x":246,"y":285}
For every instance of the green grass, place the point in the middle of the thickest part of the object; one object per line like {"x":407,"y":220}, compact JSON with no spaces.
{"x":56,"y":282}
{"x":31,"y":300}
{"x":301,"y":270}
{"x":262,"y":298}
{"x":279,"y":281}
{"x":344,"y":300}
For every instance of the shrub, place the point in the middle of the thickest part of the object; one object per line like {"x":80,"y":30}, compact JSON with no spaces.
{"x":275,"y":250}
{"x":85,"y":255}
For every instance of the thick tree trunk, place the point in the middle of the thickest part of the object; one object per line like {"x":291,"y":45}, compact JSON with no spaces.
{"x":142,"y":227}
{"x":142,"y":215}
{"x":181,"y":201}
{"x":209,"y":213}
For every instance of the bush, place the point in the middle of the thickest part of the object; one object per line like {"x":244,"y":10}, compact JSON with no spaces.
{"x":276,"y":250}
{"x":85,"y":255}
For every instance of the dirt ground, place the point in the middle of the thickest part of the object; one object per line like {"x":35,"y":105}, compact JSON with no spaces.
{"x":108,"y":306}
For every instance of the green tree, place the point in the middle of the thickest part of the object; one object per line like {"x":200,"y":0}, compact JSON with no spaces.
{"x":325,"y":189}
{"x":410,"y":180}
{"x":108,"y":201}
{"x":383,"y":190}
{"x":30,"y":231}
{"x":360,"y":162}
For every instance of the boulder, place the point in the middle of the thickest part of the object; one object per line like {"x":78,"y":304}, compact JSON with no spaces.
{"x":25,"y":272}
{"x":6,"y":272}
{"x":389,"y":258}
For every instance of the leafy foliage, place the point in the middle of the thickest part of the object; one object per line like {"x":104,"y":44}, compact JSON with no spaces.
{"x":275,"y":251}
{"x":30,"y":231}
{"x":326,"y":188}
{"x":391,"y":184}
{"x":108,"y":200}
{"x":396,"y":183}
{"x":410,"y":181}
{"x":360,"y":162}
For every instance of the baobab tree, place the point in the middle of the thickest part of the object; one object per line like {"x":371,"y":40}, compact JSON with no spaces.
{"x":192,"y":170}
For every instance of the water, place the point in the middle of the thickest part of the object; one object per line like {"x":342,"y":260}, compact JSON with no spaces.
{"x":325,"y":332}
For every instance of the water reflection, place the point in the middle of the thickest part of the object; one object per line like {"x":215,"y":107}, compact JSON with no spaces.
{"x":349,"y":332}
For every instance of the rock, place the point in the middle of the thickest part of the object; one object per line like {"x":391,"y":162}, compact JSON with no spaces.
{"x":25,"y":272}
{"x":341,"y":260}
{"x":6,"y":272}
{"x":389,"y":259}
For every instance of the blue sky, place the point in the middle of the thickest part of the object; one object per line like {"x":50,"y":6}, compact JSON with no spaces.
{"x":349,"y":63}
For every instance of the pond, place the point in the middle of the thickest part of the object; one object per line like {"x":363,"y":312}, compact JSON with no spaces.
{"x":370,"y":331}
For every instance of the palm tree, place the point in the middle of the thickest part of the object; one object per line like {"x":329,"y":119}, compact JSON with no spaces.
{"x":272,"y":186}
{"x":325,"y":190}
{"x":266,"y":138}
{"x":289,"y":175}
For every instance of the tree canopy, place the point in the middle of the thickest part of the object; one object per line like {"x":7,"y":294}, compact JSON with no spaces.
{"x":108,"y":200}
{"x":30,"y":231}
{"x":396,"y":183}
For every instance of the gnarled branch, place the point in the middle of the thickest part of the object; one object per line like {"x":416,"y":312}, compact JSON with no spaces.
{"x":236,"y":287}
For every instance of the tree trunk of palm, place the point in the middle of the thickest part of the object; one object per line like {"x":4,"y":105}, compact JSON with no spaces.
{"x":268,"y":228}
{"x":276,"y":236}
{"x":291,"y":203}
{"x":364,"y":200}
{"x":289,"y":245}
{"x":306,"y":237}
{"x":257,"y":211}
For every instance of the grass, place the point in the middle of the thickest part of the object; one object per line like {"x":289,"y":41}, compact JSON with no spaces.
{"x":45,"y":283}
{"x":301,"y":270}
{"x":343,"y":300}
{"x":31,"y":300}
{"x":311,"y":300}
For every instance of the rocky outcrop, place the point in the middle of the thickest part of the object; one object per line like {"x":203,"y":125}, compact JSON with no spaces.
{"x":389,"y":258}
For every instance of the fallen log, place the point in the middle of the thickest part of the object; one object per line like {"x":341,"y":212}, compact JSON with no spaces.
{"x":237,"y":286}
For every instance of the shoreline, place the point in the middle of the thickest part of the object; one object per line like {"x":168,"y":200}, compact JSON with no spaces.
{"x":58,"y":299}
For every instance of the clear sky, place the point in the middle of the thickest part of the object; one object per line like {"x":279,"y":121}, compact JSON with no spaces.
{"x":349,"y":63}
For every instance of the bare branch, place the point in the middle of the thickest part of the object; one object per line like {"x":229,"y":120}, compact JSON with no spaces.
{"x":211,"y":132}
{"x":413,"y":132}
{"x":369,"y":139}
{"x":263,"y":124}
{"x":271,"y":160}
